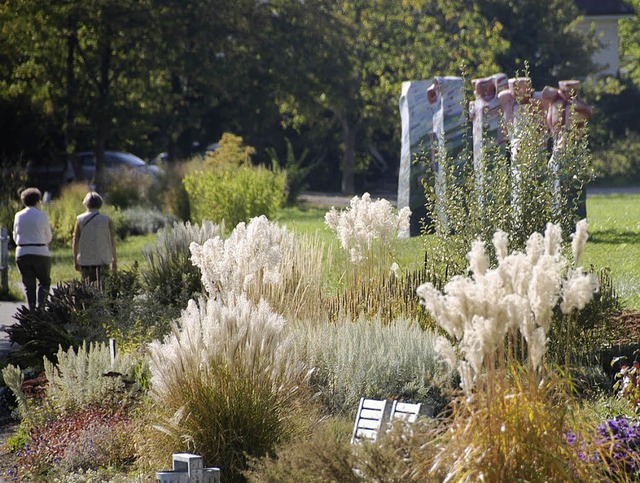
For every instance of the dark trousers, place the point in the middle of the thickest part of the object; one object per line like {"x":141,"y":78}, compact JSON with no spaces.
{"x":94,"y":273}
{"x":35,"y":268}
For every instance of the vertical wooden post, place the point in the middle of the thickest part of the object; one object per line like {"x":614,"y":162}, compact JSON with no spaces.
{"x":4,"y":260}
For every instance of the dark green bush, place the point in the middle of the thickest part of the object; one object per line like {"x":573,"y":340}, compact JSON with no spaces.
{"x":77,"y":312}
{"x":591,"y":326}
{"x":296,"y":170}
{"x":619,"y":163}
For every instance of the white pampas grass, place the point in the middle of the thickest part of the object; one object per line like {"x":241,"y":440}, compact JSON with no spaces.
{"x":519,"y":294}
{"x":365,"y":223}
{"x":251,"y":254}
{"x":230,"y":332}
{"x":579,"y":241}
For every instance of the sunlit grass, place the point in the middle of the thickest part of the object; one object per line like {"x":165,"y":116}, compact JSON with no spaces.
{"x":614,"y":242}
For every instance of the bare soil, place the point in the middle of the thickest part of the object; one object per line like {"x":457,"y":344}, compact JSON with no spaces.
{"x":7,"y":458}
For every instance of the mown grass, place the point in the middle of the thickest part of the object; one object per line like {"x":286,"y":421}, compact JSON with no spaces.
{"x":614,"y":228}
{"x":614,"y":242}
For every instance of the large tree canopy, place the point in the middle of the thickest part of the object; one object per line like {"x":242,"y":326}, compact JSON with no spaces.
{"x":356,"y":54}
{"x":542,"y":34}
{"x":156,"y":75}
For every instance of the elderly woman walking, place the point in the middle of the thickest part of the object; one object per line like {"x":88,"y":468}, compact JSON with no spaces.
{"x":32,"y":234}
{"x":94,"y":244}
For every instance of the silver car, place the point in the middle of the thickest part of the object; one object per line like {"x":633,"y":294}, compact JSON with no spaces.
{"x":114,"y":163}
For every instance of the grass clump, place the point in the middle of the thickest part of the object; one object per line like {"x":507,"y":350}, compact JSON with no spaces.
{"x":373,"y":358}
{"x":224,"y":384}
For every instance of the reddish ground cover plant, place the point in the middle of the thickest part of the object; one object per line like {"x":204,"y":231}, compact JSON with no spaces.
{"x":89,"y":438}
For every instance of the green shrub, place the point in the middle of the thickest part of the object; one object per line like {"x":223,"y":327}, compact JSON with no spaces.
{"x":143,"y":220}
{"x":175,"y":199}
{"x":231,"y":150}
{"x":327,"y":455}
{"x":372,"y":358}
{"x":130,"y":188}
{"x":591,"y":326}
{"x":63,"y":211}
{"x":619,"y":163}
{"x":225,"y":186}
{"x":478,"y":202}
{"x":87,"y":376}
{"x":234,"y":193}
{"x":296,"y":170}
{"x":78,"y":312}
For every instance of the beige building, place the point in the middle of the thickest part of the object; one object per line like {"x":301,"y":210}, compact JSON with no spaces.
{"x":604,"y":15}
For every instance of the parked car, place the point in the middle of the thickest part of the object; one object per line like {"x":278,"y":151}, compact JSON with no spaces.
{"x":114,"y":164}
{"x":49,"y":176}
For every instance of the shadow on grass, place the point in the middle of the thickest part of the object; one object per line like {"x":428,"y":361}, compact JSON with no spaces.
{"x":614,"y":237}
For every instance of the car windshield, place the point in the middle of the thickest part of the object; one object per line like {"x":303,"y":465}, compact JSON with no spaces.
{"x":129,"y":159}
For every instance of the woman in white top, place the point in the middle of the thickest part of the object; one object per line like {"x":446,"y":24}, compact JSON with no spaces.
{"x":94,"y":244}
{"x":32,"y":234}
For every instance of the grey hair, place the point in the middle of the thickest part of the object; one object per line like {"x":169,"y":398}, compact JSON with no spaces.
{"x":92,"y":200}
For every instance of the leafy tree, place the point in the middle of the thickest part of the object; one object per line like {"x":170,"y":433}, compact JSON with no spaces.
{"x":350,"y":58}
{"x":630,"y":44}
{"x":543,"y":35}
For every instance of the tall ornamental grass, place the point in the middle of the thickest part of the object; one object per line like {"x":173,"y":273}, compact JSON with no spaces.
{"x":263,"y":260}
{"x":224,"y":384}
{"x":368,"y":231}
{"x":511,"y":421}
{"x":488,"y":313}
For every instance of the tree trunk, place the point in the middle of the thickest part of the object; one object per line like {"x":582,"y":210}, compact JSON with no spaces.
{"x":102,"y":108}
{"x":349,"y":156}
{"x":69,"y":132}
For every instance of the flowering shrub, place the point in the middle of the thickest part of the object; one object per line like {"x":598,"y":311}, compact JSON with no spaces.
{"x":616,"y":446}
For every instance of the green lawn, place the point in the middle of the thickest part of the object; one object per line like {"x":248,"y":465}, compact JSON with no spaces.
{"x":614,"y":242}
{"x":614,"y":227}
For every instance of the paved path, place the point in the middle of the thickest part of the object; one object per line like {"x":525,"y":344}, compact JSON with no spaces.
{"x":7,"y":311}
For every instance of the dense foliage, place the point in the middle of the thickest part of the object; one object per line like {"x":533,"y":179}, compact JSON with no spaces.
{"x":161,"y":75}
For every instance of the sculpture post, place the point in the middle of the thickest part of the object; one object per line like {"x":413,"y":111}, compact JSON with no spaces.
{"x":416,"y":114}
{"x":565,"y":112}
{"x":446,"y":95}
{"x":485,"y":114}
